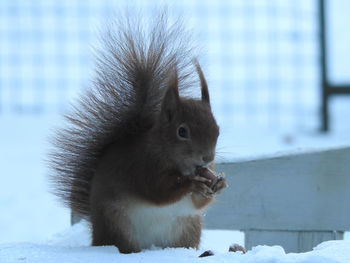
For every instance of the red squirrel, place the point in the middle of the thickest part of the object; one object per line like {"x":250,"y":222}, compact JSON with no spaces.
{"x":134,"y":156}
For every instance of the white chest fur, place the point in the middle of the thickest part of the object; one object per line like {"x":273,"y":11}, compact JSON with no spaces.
{"x":160,"y":225}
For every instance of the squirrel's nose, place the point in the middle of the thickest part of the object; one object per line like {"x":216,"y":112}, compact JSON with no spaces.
{"x":208,"y":158}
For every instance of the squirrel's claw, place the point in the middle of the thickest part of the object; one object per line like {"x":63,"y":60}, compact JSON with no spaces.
{"x":200,"y":179}
{"x":207,"y":187}
{"x":219,"y":184}
{"x":201,"y":188}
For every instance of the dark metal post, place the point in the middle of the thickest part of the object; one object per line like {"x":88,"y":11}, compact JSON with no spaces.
{"x":328,"y":89}
{"x":323,"y":58}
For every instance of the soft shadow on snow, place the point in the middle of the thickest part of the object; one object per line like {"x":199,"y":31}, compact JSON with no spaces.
{"x":73,"y":245}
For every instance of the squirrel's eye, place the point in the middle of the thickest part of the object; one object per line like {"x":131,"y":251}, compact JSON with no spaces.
{"x":183,"y":132}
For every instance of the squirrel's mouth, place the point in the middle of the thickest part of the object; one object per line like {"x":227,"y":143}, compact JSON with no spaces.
{"x":192,"y":169}
{"x":189,"y":171}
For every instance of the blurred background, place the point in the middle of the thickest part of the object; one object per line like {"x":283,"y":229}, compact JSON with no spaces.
{"x":278,"y":71}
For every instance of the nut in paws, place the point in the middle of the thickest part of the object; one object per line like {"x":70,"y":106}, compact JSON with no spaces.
{"x":210,"y":183}
{"x":201,"y":188}
{"x":219,"y":184}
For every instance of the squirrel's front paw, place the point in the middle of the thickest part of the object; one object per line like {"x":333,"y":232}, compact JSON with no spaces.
{"x":215,"y":182}
{"x":199,"y":186}
{"x":207,"y":183}
{"x":219,"y":184}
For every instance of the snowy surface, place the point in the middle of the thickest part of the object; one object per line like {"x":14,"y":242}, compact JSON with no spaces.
{"x":28,"y":212}
{"x":73,"y":246}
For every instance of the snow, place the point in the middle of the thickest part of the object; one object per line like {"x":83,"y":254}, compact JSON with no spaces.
{"x":28,"y":211}
{"x":249,"y":143}
{"x":72,"y":246}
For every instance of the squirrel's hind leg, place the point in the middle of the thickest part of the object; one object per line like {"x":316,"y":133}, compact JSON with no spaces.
{"x":191,"y":230}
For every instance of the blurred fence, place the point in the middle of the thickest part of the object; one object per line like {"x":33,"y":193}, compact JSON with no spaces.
{"x":261,"y":57}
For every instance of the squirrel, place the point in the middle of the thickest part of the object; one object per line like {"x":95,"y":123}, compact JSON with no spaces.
{"x":135,"y":156}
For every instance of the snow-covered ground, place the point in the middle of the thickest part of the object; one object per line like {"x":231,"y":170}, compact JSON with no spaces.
{"x":73,"y":246}
{"x":28,"y":211}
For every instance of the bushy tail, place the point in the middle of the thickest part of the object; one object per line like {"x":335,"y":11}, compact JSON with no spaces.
{"x":132,"y":68}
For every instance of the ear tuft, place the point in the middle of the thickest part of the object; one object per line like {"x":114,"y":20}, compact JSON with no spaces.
{"x":204,"y":85}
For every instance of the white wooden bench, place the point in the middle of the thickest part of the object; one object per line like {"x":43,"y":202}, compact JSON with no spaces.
{"x":296,"y":201}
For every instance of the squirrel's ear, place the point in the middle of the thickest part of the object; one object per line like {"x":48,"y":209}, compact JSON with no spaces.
{"x":171,"y":97}
{"x":204,"y":85}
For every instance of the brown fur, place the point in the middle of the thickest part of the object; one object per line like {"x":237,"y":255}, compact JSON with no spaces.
{"x":122,"y":153}
{"x":200,"y":201}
